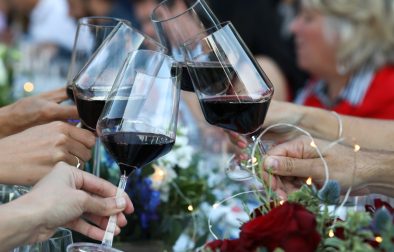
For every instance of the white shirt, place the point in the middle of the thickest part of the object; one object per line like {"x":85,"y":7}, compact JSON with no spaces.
{"x":50,"y":23}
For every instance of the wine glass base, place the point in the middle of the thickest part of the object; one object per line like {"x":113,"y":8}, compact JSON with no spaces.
{"x":89,"y":247}
{"x":237,"y":171}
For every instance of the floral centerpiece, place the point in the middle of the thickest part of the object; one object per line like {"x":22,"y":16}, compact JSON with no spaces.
{"x":305,"y":223}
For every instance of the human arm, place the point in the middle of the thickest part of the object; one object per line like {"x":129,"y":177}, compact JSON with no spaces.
{"x":29,"y":155}
{"x":35,"y":110}
{"x":365,"y":171}
{"x":369,"y":133}
{"x":61,"y":199}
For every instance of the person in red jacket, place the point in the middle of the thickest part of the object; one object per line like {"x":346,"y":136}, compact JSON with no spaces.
{"x":348,"y":48}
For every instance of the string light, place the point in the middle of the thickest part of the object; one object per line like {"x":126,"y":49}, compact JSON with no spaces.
{"x":309,"y":181}
{"x":215,"y":205}
{"x":313,"y":144}
{"x":190,"y":208}
{"x":28,"y":87}
{"x":331,"y":233}
{"x":356,"y":148}
{"x":378,"y":239}
{"x":281,"y":202}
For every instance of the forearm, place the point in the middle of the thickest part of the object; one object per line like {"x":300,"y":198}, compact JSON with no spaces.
{"x":368,"y":133}
{"x":20,"y":223}
{"x":379,"y":172}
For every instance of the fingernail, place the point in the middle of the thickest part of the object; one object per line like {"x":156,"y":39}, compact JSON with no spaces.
{"x":120,"y":202}
{"x":242,"y":144}
{"x":271,"y":163}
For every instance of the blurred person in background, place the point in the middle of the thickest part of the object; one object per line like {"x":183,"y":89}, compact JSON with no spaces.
{"x":78,"y":8}
{"x":348,"y":49}
{"x":48,"y":21}
{"x":263,"y":28}
{"x":111,"y":8}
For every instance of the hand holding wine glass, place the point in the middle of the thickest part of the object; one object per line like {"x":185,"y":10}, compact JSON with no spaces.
{"x":139,"y":119}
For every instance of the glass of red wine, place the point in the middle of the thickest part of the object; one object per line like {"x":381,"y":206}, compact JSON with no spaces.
{"x":93,"y":83}
{"x":176,"y":22}
{"x":233,"y":90}
{"x":91,"y":32}
{"x":139,"y":120}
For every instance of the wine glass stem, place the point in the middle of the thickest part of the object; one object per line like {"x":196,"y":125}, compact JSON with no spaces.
{"x":96,"y":158}
{"x":111,"y":227}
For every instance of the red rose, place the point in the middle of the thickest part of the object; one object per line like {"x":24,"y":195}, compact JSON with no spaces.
{"x":289,"y":226}
{"x":226,"y":246}
{"x":378,"y":203}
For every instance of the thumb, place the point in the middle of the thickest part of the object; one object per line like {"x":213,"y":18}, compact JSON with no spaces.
{"x":287,"y":166}
{"x":103,"y":206}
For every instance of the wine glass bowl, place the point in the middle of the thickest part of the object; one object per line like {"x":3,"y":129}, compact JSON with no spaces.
{"x":91,"y":32}
{"x":93,"y":83}
{"x":138,"y":123}
{"x":177,"y":21}
{"x":233,"y":91}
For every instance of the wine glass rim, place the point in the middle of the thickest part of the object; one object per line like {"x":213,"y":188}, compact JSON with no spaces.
{"x":85,"y":21}
{"x":63,"y":233}
{"x":171,"y":59}
{"x":162,"y":3}
{"x":115,"y":29}
{"x":204,"y":32}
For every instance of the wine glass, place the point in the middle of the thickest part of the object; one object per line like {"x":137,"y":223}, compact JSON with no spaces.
{"x":177,"y":21}
{"x":233,"y":91}
{"x":94,"y":81}
{"x":91,"y":32}
{"x":139,"y":120}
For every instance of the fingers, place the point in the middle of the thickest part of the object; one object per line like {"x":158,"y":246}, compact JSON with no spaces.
{"x":90,"y":183}
{"x":79,"y":150}
{"x":288,"y":166}
{"x":57,"y":95}
{"x":237,"y":139}
{"x":102,"y":222}
{"x":65,"y":112}
{"x":83,"y":136}
{"x":89,"y":230}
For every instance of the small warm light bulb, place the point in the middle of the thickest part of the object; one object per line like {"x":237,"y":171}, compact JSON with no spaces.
{"x":309,"y":181}
{"x":313,"y":144}
{"x":356,"y":148}
{"x":215,"y":205}
{"x":190,"y":208}
{"x":254,"y":160}
{"x":331,"y":233}
{"x":378,"y":239}
{"x":160,"y":172}
{"x":28,"y":87}
{"x":281,"y":202}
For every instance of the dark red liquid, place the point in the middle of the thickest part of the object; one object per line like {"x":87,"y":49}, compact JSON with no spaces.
{"x":70,"y":92}
{"x":240,"y":114}
{"x":186,"y":82}
{"x":133,"y":150}
{"x":89,"y":110}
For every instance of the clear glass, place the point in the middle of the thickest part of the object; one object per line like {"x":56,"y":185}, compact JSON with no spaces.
{"x":233,"y":90}
{"x":57,"y":243}
{"x":138,"y":122}
{"x":91,"y":32}
{"x":89,"y":247}
{"x":92,"y":84}
{"x":176,"y":22}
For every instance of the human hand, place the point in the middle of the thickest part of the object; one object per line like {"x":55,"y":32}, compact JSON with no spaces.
{"x":296,"y":160}
{"x":72,"y":198}
{"x":36,"y":110}
{"x":29,"y":155}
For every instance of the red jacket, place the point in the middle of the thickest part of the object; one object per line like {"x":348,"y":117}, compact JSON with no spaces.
{"x":378,"y":101}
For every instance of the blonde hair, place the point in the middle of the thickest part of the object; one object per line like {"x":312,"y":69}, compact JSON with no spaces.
{"x":364,"y":28}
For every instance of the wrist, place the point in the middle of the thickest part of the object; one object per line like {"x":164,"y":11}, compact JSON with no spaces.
{"x":312,"y":119}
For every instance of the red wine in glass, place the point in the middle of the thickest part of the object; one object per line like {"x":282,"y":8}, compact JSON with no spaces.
{"x":136,"y":149}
